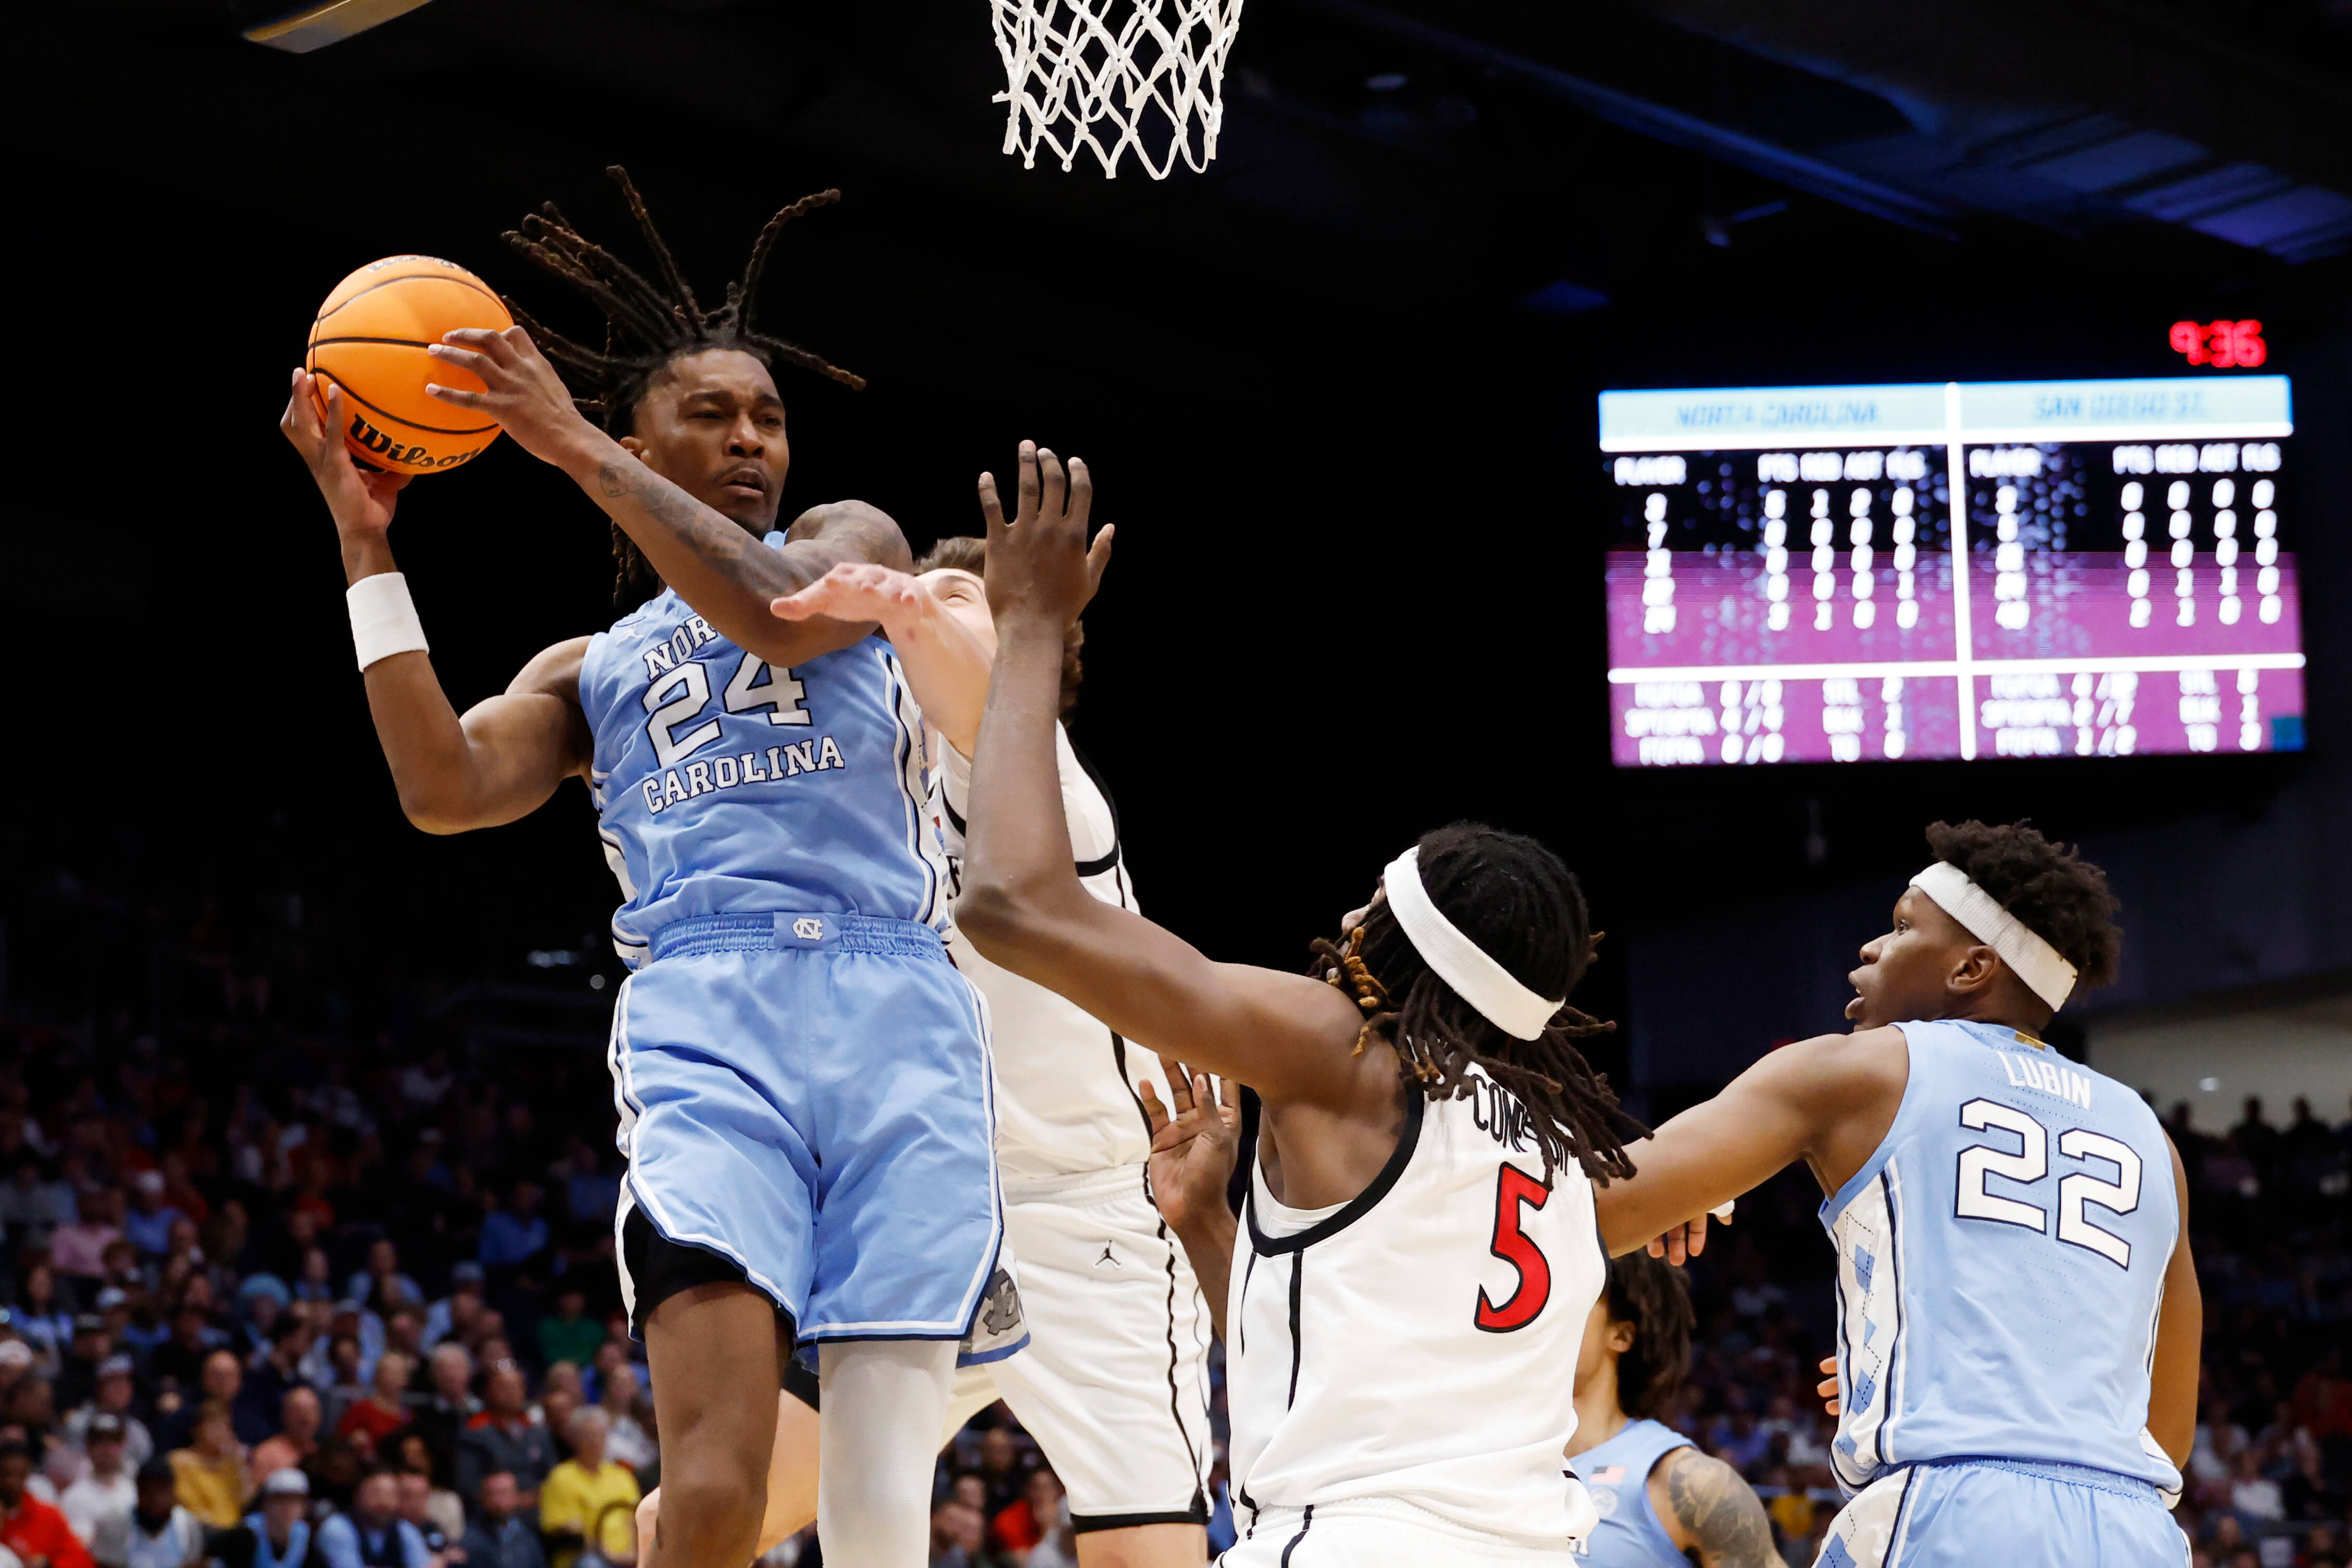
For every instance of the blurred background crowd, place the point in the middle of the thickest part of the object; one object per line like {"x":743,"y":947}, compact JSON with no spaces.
{"x":297,"y":1277}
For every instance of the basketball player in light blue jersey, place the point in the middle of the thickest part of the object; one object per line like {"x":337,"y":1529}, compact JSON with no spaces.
{"x":802,"y":1076}
{"x":1662,"y":1502}
{"x":2018,"y":1313}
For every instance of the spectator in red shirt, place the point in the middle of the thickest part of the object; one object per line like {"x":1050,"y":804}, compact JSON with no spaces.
{"x":1032,"y":1515}
{"x":35,"y":1532}
{"x":383,"y":1411}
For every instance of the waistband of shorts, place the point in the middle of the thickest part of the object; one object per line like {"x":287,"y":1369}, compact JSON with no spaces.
{"x":2089,"y":1476}
{"x":1391,"y":1511}
{"x":1077,"y":1188}
{"x":823,"y":930}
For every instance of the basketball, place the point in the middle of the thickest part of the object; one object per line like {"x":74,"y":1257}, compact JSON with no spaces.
{"x":370,"y":339}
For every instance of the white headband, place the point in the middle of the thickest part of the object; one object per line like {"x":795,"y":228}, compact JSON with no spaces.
{"x":2046,"y":974}
{"x":1462,"y":964}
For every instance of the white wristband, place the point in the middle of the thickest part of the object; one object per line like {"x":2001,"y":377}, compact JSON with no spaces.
{"x":383,"y":618}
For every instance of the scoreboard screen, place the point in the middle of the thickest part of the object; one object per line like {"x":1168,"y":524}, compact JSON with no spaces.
{"x":2001,"y":569}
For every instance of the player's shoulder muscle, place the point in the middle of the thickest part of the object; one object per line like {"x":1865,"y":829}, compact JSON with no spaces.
{"x":552,"y":671}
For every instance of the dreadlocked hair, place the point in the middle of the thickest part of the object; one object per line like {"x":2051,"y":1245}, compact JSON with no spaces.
{"x":2058,"y":896}
{"x":968,"y":553}
{"x":648,"y":323}
{"x":1649,"y":1293}
{"x":1521,"y":906}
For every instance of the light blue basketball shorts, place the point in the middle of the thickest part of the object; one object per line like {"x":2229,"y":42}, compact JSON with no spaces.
{"x":808,"y":1097}
{"x":2017,"y":1514}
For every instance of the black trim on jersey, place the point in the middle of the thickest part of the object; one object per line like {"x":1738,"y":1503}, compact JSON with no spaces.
{"x":1902,"y":1507}
{"x":1297,"y":1345}
{"x":1305,"y":1524}
{"x":1083,"y":1523}
{"x":1094,"y":868}
{"x":1895,"y":1340}
{"x":1416,"y":1106}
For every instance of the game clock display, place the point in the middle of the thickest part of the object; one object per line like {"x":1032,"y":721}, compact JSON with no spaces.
{"x":2008,"y":569}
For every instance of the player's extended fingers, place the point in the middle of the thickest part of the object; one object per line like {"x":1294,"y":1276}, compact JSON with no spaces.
{"x":991,"y":510}
{"x":1155,"y":1113}
{"x":1082,"y":494}
{"x":491,"y":370}
{"x":1694,"y":1235}
{"x":457,"y":395}
{"x":1055,"y":485}
{"x":1027,"y":506}
{"x":1829,"y":1366}
{"x":1098,"y":557}
{"x":300,"y":421}
{"x":1179,"y":1089}
{"x":483,"y":341}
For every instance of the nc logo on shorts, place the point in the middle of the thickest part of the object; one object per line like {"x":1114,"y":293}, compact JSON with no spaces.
{"x":808,"y":929}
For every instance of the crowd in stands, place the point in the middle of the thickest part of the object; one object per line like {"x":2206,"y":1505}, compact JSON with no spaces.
{"x":283,"y":1290}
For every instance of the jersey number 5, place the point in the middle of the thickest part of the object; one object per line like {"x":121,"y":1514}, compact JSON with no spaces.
{"x":1513,"y":1187}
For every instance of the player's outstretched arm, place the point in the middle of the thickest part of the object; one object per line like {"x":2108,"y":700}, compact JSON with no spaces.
{"x":1707,"y":1509}
{"x":2179,"y":1337}
{"x":504,"y":758}
{"x":946,"y":663}
{"x":1021,"y":904}
{"x":726,"y":576}
{"x":1812,"y":1101}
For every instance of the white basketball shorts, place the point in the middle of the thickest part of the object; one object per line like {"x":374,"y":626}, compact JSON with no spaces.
{"x":1114,"y":1384}
{"x":1382,"y":1532}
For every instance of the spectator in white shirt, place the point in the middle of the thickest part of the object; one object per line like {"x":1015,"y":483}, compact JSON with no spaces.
{"x":162,"y":1533}
{"x":99,"y":1505}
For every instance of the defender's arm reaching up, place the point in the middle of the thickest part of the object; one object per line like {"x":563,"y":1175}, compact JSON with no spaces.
{"x":1286,"y":1034}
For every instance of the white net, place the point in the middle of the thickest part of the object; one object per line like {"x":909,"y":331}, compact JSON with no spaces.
{"x":1112,"y":77}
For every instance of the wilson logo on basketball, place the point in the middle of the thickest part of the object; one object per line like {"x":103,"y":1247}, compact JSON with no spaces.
{"x":366,"y":436}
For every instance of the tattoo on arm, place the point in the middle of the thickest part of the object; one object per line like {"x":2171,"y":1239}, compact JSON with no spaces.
{"x":1721,"y":1514}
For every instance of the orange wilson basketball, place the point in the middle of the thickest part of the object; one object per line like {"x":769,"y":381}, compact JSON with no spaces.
{"x":370,"y":340}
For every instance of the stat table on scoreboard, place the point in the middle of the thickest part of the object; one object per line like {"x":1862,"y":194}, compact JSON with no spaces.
{"x":1955,"y":570}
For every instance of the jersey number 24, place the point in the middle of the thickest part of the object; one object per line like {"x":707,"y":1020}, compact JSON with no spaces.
{"x":745,"y":693}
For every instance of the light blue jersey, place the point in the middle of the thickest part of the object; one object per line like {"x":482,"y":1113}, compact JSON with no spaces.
{"x":725,"y":785}
{"x":1617,"y":1475}
{"x":2001,"y":1264}
{"x":801,"y":1076}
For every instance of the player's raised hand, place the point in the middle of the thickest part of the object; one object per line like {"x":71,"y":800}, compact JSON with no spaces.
{"x":860,"y":591}
{"x":521,"y":390}
{"x":1039,"y":563}
{"x":1192,"y":1151}
{"x":362,"y":500}
{"x":1828,"y":1389}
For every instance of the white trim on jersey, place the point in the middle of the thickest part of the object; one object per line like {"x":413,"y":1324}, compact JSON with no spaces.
{"x":1872,"y":1531}
{"x":1870,"y":1328}
{"x":913,"y":797}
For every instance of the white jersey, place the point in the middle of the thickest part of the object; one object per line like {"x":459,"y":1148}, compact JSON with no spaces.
{"x":1066,"y":1096}
{"x":1420,"y":1342}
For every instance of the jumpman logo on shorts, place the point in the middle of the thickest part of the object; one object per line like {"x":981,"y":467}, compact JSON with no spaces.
{"x":1107,"y":1257}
